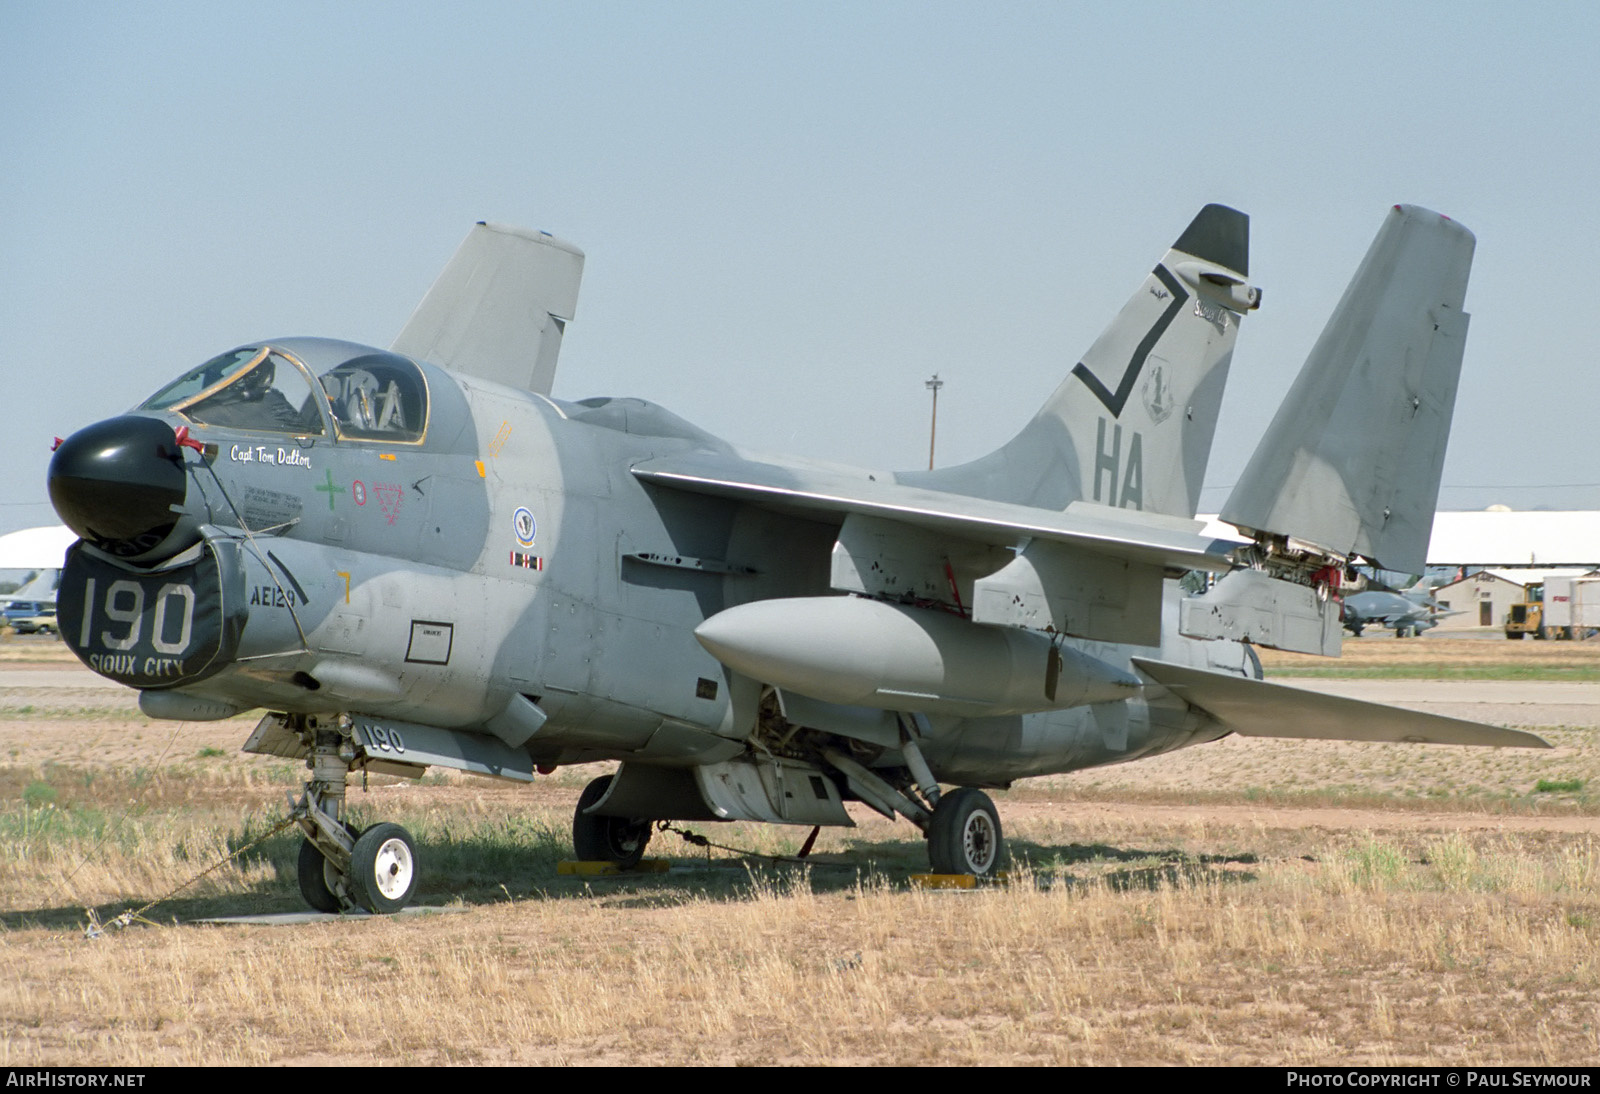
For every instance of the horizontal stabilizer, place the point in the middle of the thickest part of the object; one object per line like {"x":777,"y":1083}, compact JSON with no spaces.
{"x":1255,"y":708}
{"x":1351,"y":461}
{"x":499,"y":309}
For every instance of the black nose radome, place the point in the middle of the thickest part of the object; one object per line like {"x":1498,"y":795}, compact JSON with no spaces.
{"x":115,"y":483}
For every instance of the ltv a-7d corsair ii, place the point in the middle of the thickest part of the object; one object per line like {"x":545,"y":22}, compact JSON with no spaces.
{"x":415,"y":557}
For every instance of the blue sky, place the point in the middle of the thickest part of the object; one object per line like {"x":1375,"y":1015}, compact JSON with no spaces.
{"x":794,"y":214}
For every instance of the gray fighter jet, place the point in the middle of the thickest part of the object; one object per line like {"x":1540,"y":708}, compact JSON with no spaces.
{"x":414,"y":557}
{"x":1407,"y":613}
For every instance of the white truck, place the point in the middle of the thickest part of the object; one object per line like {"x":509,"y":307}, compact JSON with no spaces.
{"x":1571,"y":606}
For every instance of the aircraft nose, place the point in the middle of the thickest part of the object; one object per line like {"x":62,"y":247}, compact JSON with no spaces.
{"x":115,"y":483}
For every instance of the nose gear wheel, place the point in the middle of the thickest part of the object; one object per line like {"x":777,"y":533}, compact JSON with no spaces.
{"x":383,"y":868}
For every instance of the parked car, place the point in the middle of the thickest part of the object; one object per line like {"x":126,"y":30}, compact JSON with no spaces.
{"x":31,"y":616}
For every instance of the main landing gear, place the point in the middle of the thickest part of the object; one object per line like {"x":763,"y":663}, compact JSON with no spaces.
{"x":621,"y":840}
{"x":964,"y":834}
{"x":339,"y":868}
{"x":962,"y":826}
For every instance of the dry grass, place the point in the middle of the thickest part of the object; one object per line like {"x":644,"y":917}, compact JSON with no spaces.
{"x":32,"y":648}
{"x":1445,"y":950}
{"x":1351,"y":774}
{"x":1132,"y":935}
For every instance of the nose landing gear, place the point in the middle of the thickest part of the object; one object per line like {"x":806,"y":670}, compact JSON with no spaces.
{"x":340,"y":869}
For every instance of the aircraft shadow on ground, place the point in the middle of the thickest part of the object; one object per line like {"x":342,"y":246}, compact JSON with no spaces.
{"x":482,"y":874}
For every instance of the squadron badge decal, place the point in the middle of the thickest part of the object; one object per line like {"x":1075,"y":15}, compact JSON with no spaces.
{"x":522,"y":526}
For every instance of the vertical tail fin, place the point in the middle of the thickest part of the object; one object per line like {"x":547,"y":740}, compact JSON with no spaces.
{"x":1131,"y":426}
{"x":1352,"y":460}
{"x":500,"y":307}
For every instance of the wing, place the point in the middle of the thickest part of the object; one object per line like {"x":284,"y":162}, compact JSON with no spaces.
{"x":1090,"y":570}
{"x":1255,"y":708}
{"x":1351,"y":461}
{"x":1121,"y":532}
{"x":499,"y":309}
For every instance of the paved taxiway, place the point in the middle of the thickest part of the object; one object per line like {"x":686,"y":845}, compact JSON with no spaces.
{"x":1501,"y":702}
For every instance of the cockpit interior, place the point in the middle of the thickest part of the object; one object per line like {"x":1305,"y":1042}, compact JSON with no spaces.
{"x":374,"y":396}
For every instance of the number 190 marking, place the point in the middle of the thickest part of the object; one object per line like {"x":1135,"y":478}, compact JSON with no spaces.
{"x":119,"y":609}
{"x":385,"y":739}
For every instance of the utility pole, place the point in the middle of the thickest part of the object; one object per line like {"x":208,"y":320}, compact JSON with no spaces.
{"x":933,"y":385}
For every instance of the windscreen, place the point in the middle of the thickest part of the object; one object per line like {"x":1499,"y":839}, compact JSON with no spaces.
{"x":253,"y":389}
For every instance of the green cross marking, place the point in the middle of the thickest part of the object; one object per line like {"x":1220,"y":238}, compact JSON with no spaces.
{"x":330,"y":489}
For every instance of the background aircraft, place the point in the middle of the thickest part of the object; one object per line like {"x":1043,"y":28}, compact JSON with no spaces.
{"x":1407,"y":613}
{"x":414,"y":557}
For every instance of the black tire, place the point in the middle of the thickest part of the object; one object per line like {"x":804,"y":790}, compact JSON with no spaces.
{"x":621,"y":840}
{"x":383,"y":869}
{"x":316,"y":886}
{"x":964,"y":836}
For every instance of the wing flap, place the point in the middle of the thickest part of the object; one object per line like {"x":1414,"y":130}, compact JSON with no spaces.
{"x":1252,"y":606}
{"x":1255,"y":708}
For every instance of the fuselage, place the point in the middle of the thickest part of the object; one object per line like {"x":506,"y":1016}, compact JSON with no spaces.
{"x":400,"y":541}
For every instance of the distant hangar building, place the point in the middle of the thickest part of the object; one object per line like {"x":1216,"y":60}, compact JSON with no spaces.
{"x":1482,"y":599}
{"x":1510,"y":539}
{"x":1498,"y":553}
{"x":1498,"y":539}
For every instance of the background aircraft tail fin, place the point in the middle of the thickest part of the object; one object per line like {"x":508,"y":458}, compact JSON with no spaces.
{"x":1352,"y":460}
{"x":499,"y":309}
{"x":1132,"y":425}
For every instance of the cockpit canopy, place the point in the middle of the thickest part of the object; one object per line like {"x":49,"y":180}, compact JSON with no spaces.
{"x":366,"y":394}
